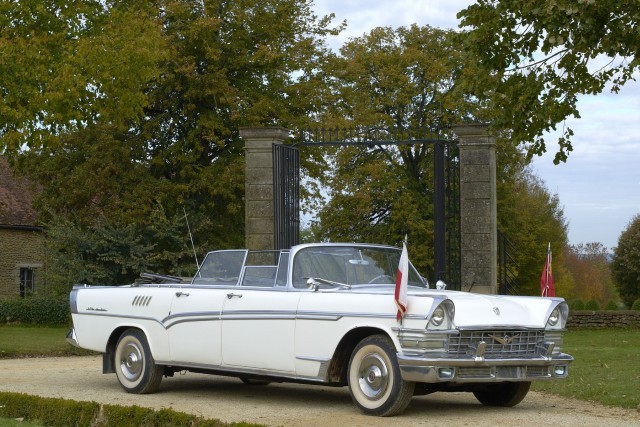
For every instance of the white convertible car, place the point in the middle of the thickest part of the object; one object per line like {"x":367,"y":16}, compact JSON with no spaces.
{"x":322,"y":314}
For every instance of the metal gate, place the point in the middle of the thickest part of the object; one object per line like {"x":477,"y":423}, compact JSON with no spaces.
{"x":286,"y":196}
{"x":451,"y":214}
{"x":446,"y":190}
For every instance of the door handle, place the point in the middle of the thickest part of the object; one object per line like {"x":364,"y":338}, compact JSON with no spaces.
{"x":179,"y":294}
{"x":229,"y":296}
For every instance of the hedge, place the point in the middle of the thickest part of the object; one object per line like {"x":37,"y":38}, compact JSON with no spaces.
{"x":62,"y":412}
{"x":592,"y":305}
{"x":48,"y":411}
{"x":36,"y":310}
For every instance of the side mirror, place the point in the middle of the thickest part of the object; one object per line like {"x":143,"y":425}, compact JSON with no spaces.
{"x":441,"y":285}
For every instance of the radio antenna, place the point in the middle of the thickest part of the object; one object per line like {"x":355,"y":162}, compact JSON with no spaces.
{"x":191,"y":237}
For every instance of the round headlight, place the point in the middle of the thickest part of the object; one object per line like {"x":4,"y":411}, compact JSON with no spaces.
{"x":438,"y":316}
{"x":555,"y":316}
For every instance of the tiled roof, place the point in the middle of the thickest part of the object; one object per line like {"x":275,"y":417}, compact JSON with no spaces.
{"x":16,"y":198}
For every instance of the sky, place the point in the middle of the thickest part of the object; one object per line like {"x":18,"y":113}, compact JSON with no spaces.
{"x":599,"y":185}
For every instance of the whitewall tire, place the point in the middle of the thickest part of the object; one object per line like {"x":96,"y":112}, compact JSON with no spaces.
{"x":374,"y":379}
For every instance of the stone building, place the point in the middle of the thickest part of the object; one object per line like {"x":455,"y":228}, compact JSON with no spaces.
{"x":22,"y":249}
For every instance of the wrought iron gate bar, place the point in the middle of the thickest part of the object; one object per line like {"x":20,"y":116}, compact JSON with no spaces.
{"x":286,"y":191}
{"x":507,"y":266}
{"x":355,"y":136}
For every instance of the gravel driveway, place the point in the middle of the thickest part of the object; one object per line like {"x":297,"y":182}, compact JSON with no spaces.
{"x":227,"y":399}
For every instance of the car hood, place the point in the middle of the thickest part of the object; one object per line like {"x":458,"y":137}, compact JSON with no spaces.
{"x":475,"y":310}
{"x":478,"y":310}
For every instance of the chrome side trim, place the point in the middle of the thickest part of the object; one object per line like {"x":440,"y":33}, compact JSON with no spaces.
{"x":313,"y":358}
{"x":202,"y":316}
{"x":170,"y":321}
{"x":319,"y":315}
{"x":323,"y":369}
{"x":259,"y":315}
{"x":238,"y":371}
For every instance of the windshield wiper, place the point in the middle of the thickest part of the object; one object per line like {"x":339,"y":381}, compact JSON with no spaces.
{"x":315,"y":282}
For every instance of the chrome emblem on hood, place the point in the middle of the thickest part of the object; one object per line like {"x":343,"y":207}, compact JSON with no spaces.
{"x":496,"y":310}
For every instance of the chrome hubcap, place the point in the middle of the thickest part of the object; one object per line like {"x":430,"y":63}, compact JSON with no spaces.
{"x":131,"y":361}
{"x":373,"y":377}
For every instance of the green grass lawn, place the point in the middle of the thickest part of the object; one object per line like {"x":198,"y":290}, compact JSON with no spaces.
{"x":23,"y":341}
{"x":606,"y":367}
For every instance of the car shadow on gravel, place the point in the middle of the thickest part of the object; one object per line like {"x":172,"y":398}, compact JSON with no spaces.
{"x":287,"y":396}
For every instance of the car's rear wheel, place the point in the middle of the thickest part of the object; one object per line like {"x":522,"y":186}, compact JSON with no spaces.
{"x":375,"y":383}
{"x":136,"y":369}
{"x":502,"y":394}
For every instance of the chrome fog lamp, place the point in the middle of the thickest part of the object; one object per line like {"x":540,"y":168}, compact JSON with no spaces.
{"x":560,"y":370}
{"x":446,"y":373}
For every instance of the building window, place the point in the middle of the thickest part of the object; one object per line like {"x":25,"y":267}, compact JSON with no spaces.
{"x":27,"y":281}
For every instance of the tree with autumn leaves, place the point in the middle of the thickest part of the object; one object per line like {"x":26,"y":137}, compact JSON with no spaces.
{"x":590,"y":268}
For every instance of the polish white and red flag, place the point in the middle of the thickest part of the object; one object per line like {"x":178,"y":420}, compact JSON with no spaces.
{"x":402,"y":279}
{"x":547,"y":284}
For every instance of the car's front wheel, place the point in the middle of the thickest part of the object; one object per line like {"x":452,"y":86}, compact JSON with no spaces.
{"x":502,"y":394}
{"x":375,"y":383}
{"x":136,"y":369}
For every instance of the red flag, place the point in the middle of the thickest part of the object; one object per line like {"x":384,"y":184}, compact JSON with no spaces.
{"x":402,"y":279}
{"x":547,"y":286}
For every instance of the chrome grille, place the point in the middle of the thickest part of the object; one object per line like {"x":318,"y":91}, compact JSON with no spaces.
{"x":499,"y":343}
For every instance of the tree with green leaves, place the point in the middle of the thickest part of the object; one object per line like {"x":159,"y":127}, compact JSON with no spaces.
{"x":115,"y":254}
{"x":67,"y":65}
{"x":413,"y":79}
{"x":626,"y":262}
{"x":394,"y":83}
{"x":537,"y":56}
{"x":133,"y":107}
{"x":532,"y":218}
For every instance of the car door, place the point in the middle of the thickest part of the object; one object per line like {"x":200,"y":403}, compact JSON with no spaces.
{"x":258,"y":325}
{"x":194,"y":326}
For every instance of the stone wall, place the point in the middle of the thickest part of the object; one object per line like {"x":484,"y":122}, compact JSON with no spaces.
{"x":587,"y":319}
{"x":19,"y":248}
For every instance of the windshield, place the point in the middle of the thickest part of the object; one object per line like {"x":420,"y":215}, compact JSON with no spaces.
{"x":220,"y":268}
{"x":350,"y":265}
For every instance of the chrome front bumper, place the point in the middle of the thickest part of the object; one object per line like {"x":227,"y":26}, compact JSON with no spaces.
{"x":479,"y":369}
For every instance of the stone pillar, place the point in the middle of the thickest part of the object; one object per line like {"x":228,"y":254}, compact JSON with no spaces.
{"x":478,"y":213}
{"x":258,"y":197}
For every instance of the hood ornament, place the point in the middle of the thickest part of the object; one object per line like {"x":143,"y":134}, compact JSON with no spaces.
{"x":496,"y":310}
